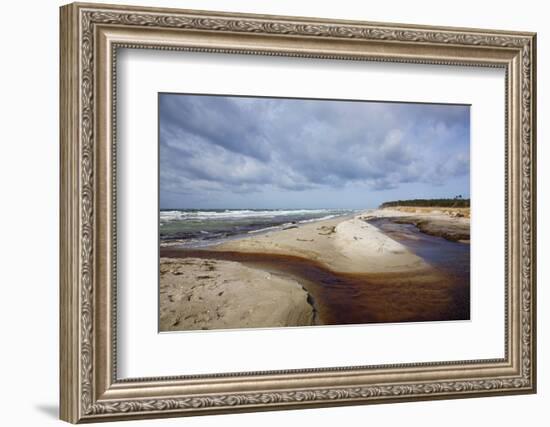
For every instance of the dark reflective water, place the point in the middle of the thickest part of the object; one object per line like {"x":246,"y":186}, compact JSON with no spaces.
{"x":451,"y":257}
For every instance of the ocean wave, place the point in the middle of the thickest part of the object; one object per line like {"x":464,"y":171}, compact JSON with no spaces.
{"x":179,"y":215}
{"x":197,"y":228}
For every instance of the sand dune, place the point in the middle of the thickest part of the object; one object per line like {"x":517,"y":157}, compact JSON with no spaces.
{"x":347,"y":244}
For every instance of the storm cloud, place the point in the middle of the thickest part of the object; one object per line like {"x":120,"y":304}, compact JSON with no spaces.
{"x":244,"y":151}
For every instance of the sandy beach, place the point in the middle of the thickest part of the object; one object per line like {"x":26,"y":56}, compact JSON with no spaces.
{"x":450,"y":223}
{"x":346,"y":245}
{"x":309,"y":273}
{"x":211,"y":294}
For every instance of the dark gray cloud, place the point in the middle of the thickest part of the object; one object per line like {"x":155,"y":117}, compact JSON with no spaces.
{"x":234,"y":145}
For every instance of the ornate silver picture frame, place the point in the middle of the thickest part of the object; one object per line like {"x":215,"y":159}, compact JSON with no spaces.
{"x":91,"y":36}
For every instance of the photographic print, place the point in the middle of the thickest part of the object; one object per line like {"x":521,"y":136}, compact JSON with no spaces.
{"x":280,"y":212}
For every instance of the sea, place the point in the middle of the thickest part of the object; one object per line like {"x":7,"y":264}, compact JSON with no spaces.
{"x":204,"y":227}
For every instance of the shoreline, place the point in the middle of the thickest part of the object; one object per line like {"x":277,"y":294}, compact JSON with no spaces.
{"x":452,"y":224}
{"x":276,"y":227}
{"x":337,"y":263}
{"x":320,"y":269}
{"x":346,"y":244}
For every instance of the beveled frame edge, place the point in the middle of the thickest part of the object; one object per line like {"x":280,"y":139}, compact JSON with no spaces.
{"x":89,"y":390}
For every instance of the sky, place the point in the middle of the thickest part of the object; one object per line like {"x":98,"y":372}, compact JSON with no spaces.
{"x":229,"y":152}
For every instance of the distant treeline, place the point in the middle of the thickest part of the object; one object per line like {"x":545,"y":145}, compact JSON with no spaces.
{"x":440,"y":203}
